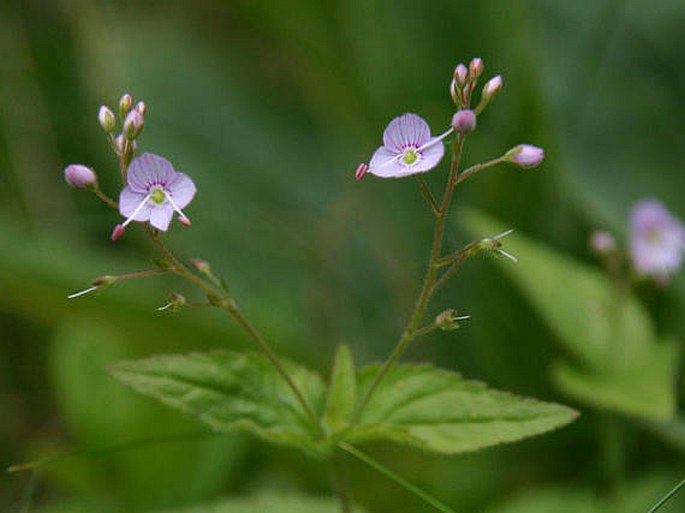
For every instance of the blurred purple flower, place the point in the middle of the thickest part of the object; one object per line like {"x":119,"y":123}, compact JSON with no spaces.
{"x":657,"y":240}
{"x":408,"y":148}
{"x":154,"y":191}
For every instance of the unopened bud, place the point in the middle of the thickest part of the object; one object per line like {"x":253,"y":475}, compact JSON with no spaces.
{"x":475,"y":68}
{"x":80,"y":177}
{"x":525,"y":156}
{"x":106,"y":119}
{"x":361,"y":171}
{"x":464,"y":121}
{"x":602,"y":243}
{"x":133,"y":125}
{"x":492,"y":88}
{"x":140,"y":107}
{"x":125,"y":105}
{"x":201,"y":266}
{"x":454,"y":93}
{"x":460,"y":74}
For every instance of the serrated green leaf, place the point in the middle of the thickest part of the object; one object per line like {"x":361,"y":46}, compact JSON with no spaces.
{"x":342,"y":392}
{"x":635,"y":390}
{"x":231,"y":391}
{"x":267,"y":503}
{"x":437,"y":410}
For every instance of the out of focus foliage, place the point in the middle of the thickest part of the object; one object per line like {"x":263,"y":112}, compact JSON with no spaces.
{"x":270,"y":106}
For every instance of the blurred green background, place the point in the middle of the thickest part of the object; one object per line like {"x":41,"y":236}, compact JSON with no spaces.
{"x":269,"y":106}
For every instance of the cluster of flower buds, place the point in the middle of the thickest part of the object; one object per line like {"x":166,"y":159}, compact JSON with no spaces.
{"x":132,"y":122}
{"x":464,"y":83}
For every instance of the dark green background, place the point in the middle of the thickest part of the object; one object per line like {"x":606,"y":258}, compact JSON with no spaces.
{"x":270,"y":106}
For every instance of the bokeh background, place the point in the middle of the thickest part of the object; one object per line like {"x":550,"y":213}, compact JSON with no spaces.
{"x":270,"y":105}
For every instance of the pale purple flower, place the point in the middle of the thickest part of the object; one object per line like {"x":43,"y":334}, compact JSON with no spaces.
{"x":526,"y":156}
{"x":657,"y":240}
{"x":154,"y":191}
{"x":408,"y":148}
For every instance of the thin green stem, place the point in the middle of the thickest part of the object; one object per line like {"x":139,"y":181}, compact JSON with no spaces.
{"x":449,"y":272}
{"x":109,"y":201}
{"x":428,"y":195}
{"x":231,"y":307}
{"x":667,"y":497}
{"x":467,"y":173}
{"x":340,"y":481}
{"x":29,"y":491}
{"x":429,"y":499}
{"x":424,"y":296}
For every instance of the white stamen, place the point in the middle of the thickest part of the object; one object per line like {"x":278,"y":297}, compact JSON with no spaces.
{"x":82,"y":292}
{"x":462,"y":318}
{"x":503,"y":234}
{"x":174,"y":205}
{"x":165,"y":307}
{"x":508,"y":255}
{"x":136,"y":211}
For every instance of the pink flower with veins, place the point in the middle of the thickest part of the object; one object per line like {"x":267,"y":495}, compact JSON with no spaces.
{"x":408,"y":148}
{"x":153,"y":192}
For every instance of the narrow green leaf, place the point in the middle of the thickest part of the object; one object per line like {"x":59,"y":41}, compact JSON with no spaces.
{"x":230,"y":391}
{"x":623,"y":366}
{"x":342,"y":393}
{"x":437,"y":410}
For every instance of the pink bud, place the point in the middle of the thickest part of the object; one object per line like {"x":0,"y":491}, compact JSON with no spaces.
{"x":475,"y":68}
{"x":133,"y":125}
{"x":460,"y":74}
{"x":118,"y":231}
{"x":79,"y":176}
{"x":525,"y":156}
{"x":106,"y":119}
{"x":140,"y":107}
{"x":464,"y":121}
{"x":361,"y":171}
{"x":602,"y":243}
{"x":492,"y":88}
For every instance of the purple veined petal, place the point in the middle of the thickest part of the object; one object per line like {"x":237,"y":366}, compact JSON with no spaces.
{"x":149,"y":169}
{"x":406,"y":130}
{"x":386,"y":164}
{"x":430,"y":157}
{"x":129,"y":201}
{"x":182,"y":189}
{"x":161,"y":216}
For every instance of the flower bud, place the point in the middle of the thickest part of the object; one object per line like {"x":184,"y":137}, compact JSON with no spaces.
{"x":602,"y":243}
{"x":133,"y":125}
{"x":140,"y":107}
{"x":464,"y":121}
{"x":475,"y":68}
{"x":80,"y":177}
{"x":106,"y":119}
{"x":361,"y":171}
{"x":201,"y":266}
{"x":460,"y":75}
{"x":125,"y":104}
{"x":492,"y":88}
{"x":525,"y":156}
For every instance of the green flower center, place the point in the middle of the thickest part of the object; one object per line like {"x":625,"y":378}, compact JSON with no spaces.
{"x":157,"y":195}
{"x":410,"y":156}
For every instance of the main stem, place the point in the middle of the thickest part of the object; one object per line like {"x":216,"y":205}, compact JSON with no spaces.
{"x":424,"y":296}
{"x":231,"y":307}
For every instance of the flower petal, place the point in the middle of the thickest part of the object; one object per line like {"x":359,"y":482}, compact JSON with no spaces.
{"x":406,"y":130}
{"x":161,"y":216}
{"x":385,"y":164}
{"x":129,"y":200}
{"x":147,"y":170}
{"x":430,"y":157}
{"x":182,"y":189}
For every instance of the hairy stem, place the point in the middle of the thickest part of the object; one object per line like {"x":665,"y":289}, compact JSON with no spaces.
{"x":467,"y":173}
{"x":409,"y":332}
